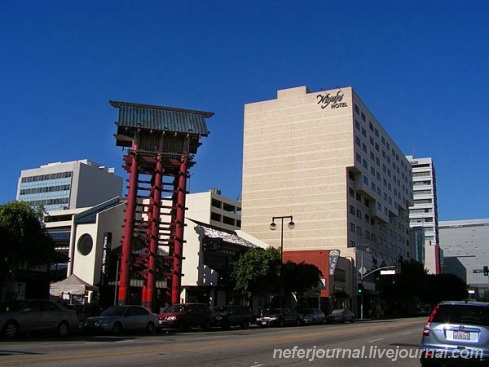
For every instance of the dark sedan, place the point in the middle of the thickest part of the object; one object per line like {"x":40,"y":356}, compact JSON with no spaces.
{"x":312,"y":316}
{"x":341,"y":315}
{"x":279,"y":317}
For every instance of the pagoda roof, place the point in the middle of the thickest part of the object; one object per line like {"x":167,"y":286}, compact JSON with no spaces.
{"x":136,"y":116}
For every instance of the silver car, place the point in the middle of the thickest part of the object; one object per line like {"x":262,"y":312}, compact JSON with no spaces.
{"x":36,"y":315}
{"x":456,"y":333}
{"x":122,"y":318}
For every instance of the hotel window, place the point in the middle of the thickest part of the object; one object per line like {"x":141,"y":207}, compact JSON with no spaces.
{"x":357,"y":110}
{"x":357,"y":124}
{"x":363,"y":117}
{"x":352,"y":209}
{"x":352,"y":227}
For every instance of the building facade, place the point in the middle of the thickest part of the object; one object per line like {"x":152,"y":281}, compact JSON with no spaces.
{"x":323,"y":158}
{"x":68,"y":185}
{"x":466,"y":252}
{"x":423,"y":214}
{"x":91,"y":238}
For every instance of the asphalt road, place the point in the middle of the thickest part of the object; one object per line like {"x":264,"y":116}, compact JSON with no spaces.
{"x":364,"y":343}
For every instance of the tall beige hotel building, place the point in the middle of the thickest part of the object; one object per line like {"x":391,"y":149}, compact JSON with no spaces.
{"x":324,"y":159}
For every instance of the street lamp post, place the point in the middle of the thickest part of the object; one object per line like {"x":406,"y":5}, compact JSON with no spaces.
{"x":362,"y":273}
{"x":273,"y":227}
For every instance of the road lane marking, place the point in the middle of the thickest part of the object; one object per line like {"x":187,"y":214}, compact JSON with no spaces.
{"x":375,"y":340}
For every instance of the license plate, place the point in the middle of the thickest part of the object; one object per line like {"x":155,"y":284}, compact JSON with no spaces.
{"x":264,"y":323}
{"x":461,"y":335}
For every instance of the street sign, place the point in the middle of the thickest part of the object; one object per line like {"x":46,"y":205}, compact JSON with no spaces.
{"x":387,"y":272}
{"x":362,"y":270}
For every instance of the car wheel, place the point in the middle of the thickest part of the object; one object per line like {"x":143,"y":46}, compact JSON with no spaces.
{"x":117,"y":328}
{"x":207,"y":326}
{"x":181,"y":326}
{"x":352,"y":320}
{"x":245,"y":324}
{"x":150,"y":328}
{"x":11,"y":329}
{"x":282,"y":323}
{"x":63,"y":329}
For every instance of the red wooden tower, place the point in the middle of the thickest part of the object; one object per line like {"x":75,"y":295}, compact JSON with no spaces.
{"x":162,"y":142}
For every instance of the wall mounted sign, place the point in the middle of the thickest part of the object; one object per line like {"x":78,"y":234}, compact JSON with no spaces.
{"x":333,"y":260}
{"x":331,"y":100}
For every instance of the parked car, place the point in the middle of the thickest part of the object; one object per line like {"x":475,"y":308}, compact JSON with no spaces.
{"x":341,"y":315}
{"x":278,"y":317}
{"x":312,"y":316}
{"x":36,"y":315}
{"x":232,"y":315}
{"x":185,"y":316}
{"x":123,"y":318}
{"x":456,"y":333}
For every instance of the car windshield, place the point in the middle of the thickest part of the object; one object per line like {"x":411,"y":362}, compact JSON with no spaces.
{"x":221,"y":309}
{"x":175,"y":308}
{"x":276,"y":311}
{"x":462,"y":314}
{"x":114,"y":311}
{"x":12,"y":306}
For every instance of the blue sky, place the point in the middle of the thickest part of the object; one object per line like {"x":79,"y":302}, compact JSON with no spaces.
{"x":420,"y":66}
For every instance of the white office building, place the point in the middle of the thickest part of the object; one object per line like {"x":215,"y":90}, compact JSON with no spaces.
{"x":466,"y":252}
{"x":423,"y":214}
{"x":68,"y":185}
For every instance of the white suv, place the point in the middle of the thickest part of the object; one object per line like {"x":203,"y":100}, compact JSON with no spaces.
{"x":456,"y":334}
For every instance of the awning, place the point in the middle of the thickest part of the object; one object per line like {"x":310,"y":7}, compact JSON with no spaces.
{"x":228,"y":237}
{"x":71,"y":285}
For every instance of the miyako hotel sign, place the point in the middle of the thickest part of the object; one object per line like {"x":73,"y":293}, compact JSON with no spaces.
{"x":330,"y":100}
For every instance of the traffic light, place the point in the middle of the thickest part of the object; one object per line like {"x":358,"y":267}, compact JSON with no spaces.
{"x":360,"y":289}
{"x":486,"y":270}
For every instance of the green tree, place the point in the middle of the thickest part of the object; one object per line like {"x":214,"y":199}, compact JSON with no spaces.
{"x":24,"y":242}
{"x":257,"y":272}
{"x":301,"y":277}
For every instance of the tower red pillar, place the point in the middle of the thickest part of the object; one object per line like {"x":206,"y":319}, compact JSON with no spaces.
{"x":129,"y":226}
{"x":181,"y":183}
{"x":155,"y":220}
